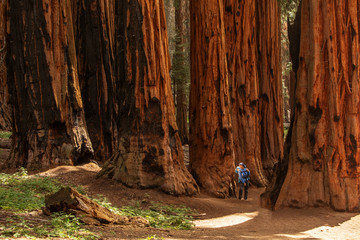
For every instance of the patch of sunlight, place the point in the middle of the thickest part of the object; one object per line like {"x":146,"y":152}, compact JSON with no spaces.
{"x":226,"y":221}
{"x":344,"y":231}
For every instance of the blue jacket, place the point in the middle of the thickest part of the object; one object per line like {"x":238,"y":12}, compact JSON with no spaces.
{"x":244,"y":174}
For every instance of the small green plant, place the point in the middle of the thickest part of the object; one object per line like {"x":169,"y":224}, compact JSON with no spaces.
{"x":154,"y":237}
{"x":20,"y":192}
{"x":68,"y":226}
{"x":158,"y":215}
{"x":162,"y":216}
{"x":103,"y":201}
{"x":62,"y":226}
{"x":17,"y":227}
{"x":5,"y":134}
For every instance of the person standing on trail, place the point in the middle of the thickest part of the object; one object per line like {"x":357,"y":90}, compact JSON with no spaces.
{"x":243,"y":179}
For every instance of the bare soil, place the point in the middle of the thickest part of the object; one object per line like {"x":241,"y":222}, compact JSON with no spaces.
{"x":224,"y":219}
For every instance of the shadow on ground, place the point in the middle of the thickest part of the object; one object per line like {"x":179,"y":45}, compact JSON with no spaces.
{"x":225,"y":218}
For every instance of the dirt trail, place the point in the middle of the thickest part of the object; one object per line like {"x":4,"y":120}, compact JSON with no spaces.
{"x":225,"y":218}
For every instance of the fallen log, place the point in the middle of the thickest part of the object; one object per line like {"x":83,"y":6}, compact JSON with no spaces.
{"x":70,"y":201}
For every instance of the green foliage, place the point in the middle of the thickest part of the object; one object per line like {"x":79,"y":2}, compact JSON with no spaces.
{"x":162,"y":216}
{"x":154,"y":237}
{"x":288,"y":13}
{"x":68,"y":226}
{"x":288,"y":9}
{"x":5,"y":134}
{"x":62,"y":226}
{"x":158,"y":215}
{"x":21,"y":192}
{"x":103,"y":201}
{"x":286,"y":130}
{"x":17,"y":227}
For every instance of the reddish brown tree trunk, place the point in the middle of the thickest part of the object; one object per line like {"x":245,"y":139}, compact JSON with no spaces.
{"x":270,"y":85}
{"x":150,"y":153}
{"x":253,"y":53}
{"x":211,"y":143}
{"x":240,"y":22}
{"x":179,"y":72}
{"x":96,"y":46}
{"x":5,"y":111}
{"x":48,"y":126}
{"x":323,"y":164}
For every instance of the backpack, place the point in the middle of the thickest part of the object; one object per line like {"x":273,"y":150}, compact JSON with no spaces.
{"x":246,"y":174}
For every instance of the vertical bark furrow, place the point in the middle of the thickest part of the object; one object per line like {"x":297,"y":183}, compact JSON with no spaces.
{"x":324,"y":159}
{"x":5,"y":108}
{"x":48,"y":126}
{"x":150,"y":153}
{"x":96,"y":68}
{"x":211,"y":143}
{"x":253,"y":54}
{"x":270,"y":85}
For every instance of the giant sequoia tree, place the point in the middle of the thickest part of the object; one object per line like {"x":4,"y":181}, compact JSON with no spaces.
{"x":5,"y":122}
{"x":323,"y":162}
{"x":149,"y":152}
{"x":253,"y":53}
{"x":211,"y":143}
{"x":48,"y":125}
{"x":270,"y":85}
{"x":96,"y":60}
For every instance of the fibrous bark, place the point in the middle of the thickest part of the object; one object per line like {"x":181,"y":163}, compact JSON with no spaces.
{"x":323,"y":164}
{"x":211,"y":143}
{"x":270,"y":85}
{"x":5,"y":111}
{"x":48,"y":118}
{"x":149,"y":153}
{"x":253,"y":53}
{"x":96,"y":49}
{"x":240,"y":21}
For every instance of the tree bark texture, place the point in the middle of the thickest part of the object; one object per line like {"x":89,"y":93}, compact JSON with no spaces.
{"x":323,"y":164}
{"x":211,"y":143}
{"x":150,"y":154}
{"x":179,"y":72}
{"x":270,"y":85}
{"x":5,"y":111}
{"x":240,"y":24}
{"x":253,"y":53}
{"x":48,"y":124}
{"x":96,"y":48}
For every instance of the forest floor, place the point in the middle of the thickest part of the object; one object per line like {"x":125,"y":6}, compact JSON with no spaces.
{"x":224,"y":219}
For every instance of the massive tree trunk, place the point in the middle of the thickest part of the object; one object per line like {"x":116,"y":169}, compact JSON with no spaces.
{"x":270,"y":85}
{"x":96,"y":46}
{"x":179,"y":72}
{"x":48,"y":125}
{"x":240,"y":21}
{"x":323,"y":164}
{"x":211,"y":143}
{"x":5,"y":112}
{"x":253,"y":53}
{"x":150,"y":153}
